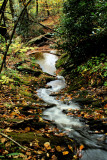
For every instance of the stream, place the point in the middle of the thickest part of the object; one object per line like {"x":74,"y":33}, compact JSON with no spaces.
{"x":72,"y":126}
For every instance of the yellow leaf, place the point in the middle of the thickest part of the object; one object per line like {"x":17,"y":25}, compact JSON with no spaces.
{"x":3,"y":140}
{"x":71,"y":140}
{"x":47,"y":154}
{"x":39,"y":152}
{"x":40,"y":119}
{"x":5,"y":152}
{"x":47,"y":145}
{"x":65,"y":152}
{"x":58,"y":148}
{"x":54,"y":157}
{"x":75,"y":157}
{"x":71,"y":148}
{"x":28,"y":153}
{"x":8,"y":144}
{"x":82,"y":89}
{"x":8,"y":130}
{"x":27,"y":129}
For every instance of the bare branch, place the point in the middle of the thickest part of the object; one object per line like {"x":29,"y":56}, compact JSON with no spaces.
{"x":4,"y":135}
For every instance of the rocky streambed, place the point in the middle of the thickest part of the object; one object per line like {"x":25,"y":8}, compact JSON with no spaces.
{"x":95,"y":146}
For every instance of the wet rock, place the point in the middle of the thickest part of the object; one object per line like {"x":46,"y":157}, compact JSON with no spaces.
{"x":39,"y":40}
{"x":83,"y":101}
{"x":102,"y":138}
{"x":97,"y":125}
{"x":35,"y":73}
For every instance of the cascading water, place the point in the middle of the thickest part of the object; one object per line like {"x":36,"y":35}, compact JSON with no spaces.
{"x":72,"y":126}
{"x":55,"y":113}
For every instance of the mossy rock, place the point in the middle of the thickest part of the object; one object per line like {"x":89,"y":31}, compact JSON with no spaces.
{"x":76,"y":83}
{"x":32,"y":72}
{"x":23,"y":138}
{"x":40,"y":39}
{"x":62,"y":60}
{"x":55,"y":141}
{"x":83,"y":101}
{"x":99,"y":103}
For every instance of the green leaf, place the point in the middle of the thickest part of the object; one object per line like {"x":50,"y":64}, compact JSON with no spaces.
{"x":92,"y":13}
{"x":105,"y":83}
{"x":13,"y":154}
{"x":105,"y":74}
{"x":2,"y":157}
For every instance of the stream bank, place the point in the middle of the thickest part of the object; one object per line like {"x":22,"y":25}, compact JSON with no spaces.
{"x":21,"y":116}
{"x":71,"y":125}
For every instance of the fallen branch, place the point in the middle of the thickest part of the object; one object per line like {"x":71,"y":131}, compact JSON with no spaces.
{"x":4,"y":135}
{"x":46,"y":27}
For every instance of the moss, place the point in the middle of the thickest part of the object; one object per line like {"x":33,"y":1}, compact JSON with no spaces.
{"x":25,"y":93}
{"x":23,"y":138}
{"x":83,"y":93}
{"x":62,"y":60}
{"x":76,"y":83}
{"x":99,"y":103}
{"x":62,"y":72}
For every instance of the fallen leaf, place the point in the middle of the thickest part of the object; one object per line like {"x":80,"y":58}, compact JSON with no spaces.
{"x":82,"y":89}
{"x":71,"y":148}
{"x":27,"y":129}
{"x":47,"y":154}
{"x":39,"y":152}
{"x":81,"y":147}
{"x":3,"y":140}
{"x":54,"y":157}
{"x":5,"y":152}
{"x":40,"y":119}
{"x":8,"y":144}
{"x":65,"y":152}
{"x":75,"y":157}
{"x":58,"y":148}
{"x":8,"y":130}
{"x":47,"y":145}
{"x":105,"y":107}
{"x":28,"y":153}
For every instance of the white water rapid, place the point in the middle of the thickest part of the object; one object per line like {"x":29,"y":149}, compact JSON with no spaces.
{"x":55,"y":113}
{"x":70,"y":125}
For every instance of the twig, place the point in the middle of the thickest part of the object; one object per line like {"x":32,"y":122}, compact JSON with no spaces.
{"x":4,"y":135}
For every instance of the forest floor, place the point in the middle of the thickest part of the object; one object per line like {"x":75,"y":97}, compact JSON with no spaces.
{"x":23,"y":132}
{"x":21,"y":114}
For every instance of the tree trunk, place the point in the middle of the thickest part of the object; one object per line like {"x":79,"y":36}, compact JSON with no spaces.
{"x":26,"y":11}
{"x":10,"y":41}
{"x":2,"y":9}
{"x":36,"y":7}
{"x":47,"y":8}
{"x":11,"y":3}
